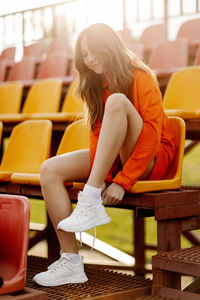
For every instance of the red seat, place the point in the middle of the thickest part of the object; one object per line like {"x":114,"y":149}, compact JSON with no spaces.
{"x":151,"y":37}
{"x":197,"y":57}
{"x":23,"y":70}
{"x":35,"y":50}
{"x":59,"y":44}
{"x":5,"y":65}
{"x":55,"y":65}
{"x":169,"y":56}
{"x":14,"y":237}
{"x":191,"y":31}
{"x":8,"y":53}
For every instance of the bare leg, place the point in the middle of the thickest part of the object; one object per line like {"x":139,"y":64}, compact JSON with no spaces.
{"x":74,"y":166}
{"x":120,"y":130}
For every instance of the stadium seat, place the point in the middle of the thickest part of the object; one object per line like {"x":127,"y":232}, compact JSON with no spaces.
{"x":10,"y":98}
{"x":72,"y":108}
{"x":8,"y":53}
{"x":191,"y":31}
{"x":14,"y":237}
{"x":43,"y":96}
{"x":169,"y":56}
{"x":5,"y":66}
{"x":173,"y":178}
{"x":28,"y":146}
{"x":75,"y":137}
{"x":151,"y":37}
{"x":1,"y":130}
{"x":197,"y":57}
{"x":55,"y":65}
{"x":59,"y":44}
{"x":23,"y":70}
{"x":33,"y":50}
{"x":181,"y":97}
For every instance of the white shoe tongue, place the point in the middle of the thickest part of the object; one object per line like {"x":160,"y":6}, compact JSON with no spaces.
{"x":65,"y":255}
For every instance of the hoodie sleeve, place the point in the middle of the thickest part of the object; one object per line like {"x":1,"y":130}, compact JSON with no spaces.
{"x":148,"y":102}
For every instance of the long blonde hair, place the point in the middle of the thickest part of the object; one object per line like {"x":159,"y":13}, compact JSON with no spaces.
{"x":118,"y":65}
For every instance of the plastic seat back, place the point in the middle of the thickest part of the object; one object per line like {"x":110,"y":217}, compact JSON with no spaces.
{"x":34,"y":50}
{"x":58,"y":44}
{"x":1,"y":131}
{"x":43,"y":97}
{"x":8,"y":53}
{"x":178,"y":127}
{"x":71,"y":103}
{"x":23,"y":70}
{"x":75,"y":137}
{"x":170,"y":55}
{"x":28,"y":147}
{"x":55,"y":65}
{"x":5,"y":66}
{"x":14,"y":237}
{"x":197,"y":57}
{"x":153,"y":35}
{"x":182,"y":93}
{"x":10,"y":97}
{"x":173,"y":178}
{"x":190,"y":30}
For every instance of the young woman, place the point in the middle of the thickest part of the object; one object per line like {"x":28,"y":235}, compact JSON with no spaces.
{"x":130,"y":139}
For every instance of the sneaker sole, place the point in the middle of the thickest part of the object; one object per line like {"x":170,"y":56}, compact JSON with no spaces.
{"x":73,"y":229}
{"x":43,"y":283}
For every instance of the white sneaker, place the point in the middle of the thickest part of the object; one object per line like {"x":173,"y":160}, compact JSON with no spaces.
{"x":85,"y":216}
{"x":62,"y":272}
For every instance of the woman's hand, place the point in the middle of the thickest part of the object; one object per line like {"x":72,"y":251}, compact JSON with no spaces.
{"x":113,"y":194}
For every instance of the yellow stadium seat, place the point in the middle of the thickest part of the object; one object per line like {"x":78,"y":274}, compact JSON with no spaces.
{"x":72,"y":108}
{"x":1,"y":131}
{"x":75,"y":137}
{"x":10,"y":99}
{"x":28,"y":146}
{"x":43,"y":96}
{"x":173,"y":177}
{"x":181,"y":97}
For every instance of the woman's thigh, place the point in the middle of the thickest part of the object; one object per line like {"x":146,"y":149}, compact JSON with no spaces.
{"x":72,"y":166}
{"x":134,"y":128}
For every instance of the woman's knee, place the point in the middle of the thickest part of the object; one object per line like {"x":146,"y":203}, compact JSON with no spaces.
{"x":48,"y":172}
{"x":116,"y":103}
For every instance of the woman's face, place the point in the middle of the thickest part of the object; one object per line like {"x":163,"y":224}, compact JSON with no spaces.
{"x":89,"y":58}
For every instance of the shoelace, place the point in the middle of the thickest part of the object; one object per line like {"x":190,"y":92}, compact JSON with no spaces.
{"x":95,"y":235}
{"x":51,"y":266}
{"x":61,"y":262}
{"x":80,"y":209}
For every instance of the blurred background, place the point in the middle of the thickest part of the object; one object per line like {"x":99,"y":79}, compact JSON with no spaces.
{"x":25,"y":22}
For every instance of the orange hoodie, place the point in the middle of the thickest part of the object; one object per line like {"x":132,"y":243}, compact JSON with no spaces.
{"x":155,"y":141}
